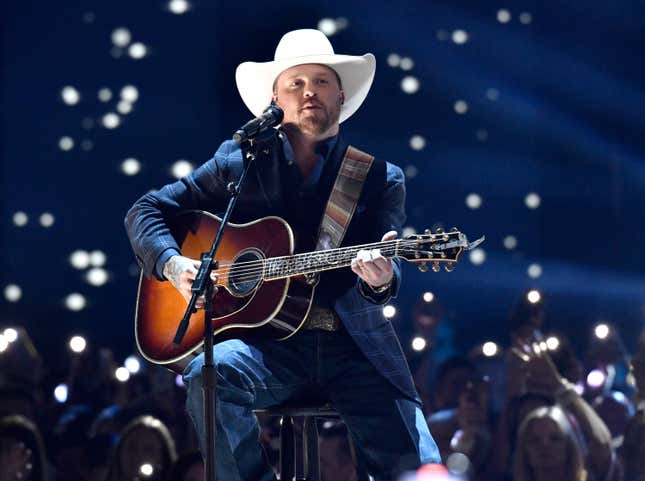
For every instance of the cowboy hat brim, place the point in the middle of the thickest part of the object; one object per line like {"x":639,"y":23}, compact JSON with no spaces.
{"x":255,"y":79}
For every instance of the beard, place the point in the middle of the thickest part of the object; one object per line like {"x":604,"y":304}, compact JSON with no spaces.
{"x":319,"y":121}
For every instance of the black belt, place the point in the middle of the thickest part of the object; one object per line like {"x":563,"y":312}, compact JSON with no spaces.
{"x":323,"y":319}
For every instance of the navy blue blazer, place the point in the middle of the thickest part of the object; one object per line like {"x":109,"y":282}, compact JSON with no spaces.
{"x":380,"y":209}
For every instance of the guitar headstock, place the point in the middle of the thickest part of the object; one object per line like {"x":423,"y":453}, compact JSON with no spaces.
{"x":437,"y":248}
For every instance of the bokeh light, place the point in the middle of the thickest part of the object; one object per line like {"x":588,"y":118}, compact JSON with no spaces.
{"x":77,"y":344}
{"x":124,"y":107}
{"x":406,"y":64}
{"x":473,"y":201}
{"x":130,"y":166}
{"x":97,"y":258}
{"x":389,"y":311}
{"x":394,"y":60}
{"x":410,"y":84}
{"x":181,"y":168}
{"x":459,"y":37}
{"x":428,"y":296}
{"x":327,"y":26}
{"x":552,"y":343}
{"x":12,"y":293}
{"x":130,"y":93}
{"x":20,"y":219}
{"x":146,"y":470}
{"x":532,"y":200}
{"x":596,"y":378}
{"x":490,"y":349}
{"x":137,"y":50}
{"x":510,"y":242}
{"x":122,"y":374}
{"x":419,"y":343}
{"x":417,"y":142}
{"x":75,"y":302}
{"x":79,"y":259}
{"x":178,"y":7}
{"x":46,"y":219}
{"x":461,"y":107}
{"x":503,"y":16}
{"x":534,"y":271}
{"x":10,"y":334}
{"x":70,"y":95}
{"x":601,"y":331}
{"x":477,"y":256}
{"x":65,"y":143}
{"x":121,"y":37}
{"x":533,"y":296}
{"x":61,"y":393}
{"x":97,"y":276}
{"x":111,"y":120}
{"x":132,"y":364}
{"x":105,"y":94}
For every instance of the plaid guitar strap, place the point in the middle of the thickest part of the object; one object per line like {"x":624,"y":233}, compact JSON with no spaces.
{"x":343,"y":198}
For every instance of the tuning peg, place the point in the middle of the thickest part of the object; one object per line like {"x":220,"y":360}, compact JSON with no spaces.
{"x":449,"y":267}
{"x":436,"y":267}
{"x":439,"y":230}
{"x":454,"y":229}
{"x":423,"y":267}
{"x":427,"y":231}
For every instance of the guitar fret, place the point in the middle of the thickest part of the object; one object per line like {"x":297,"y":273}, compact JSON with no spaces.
{"x":316,"y":261}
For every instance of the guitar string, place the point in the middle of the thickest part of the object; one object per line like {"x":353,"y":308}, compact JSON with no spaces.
{"x":301,"y":260}
{"x":271,"y":277}
{"x":298,"y":258}
{"x":254,"y":268}
{"x":330,"y":252}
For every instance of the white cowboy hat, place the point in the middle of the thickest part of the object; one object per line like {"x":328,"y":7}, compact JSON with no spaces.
{"x":255,"y":80}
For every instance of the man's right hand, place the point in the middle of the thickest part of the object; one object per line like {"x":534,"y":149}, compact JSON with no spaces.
{"x":181,"y":272}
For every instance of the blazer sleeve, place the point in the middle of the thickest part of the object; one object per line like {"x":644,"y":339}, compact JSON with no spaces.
{"x":391,"y":216}
{"x":146,"y":221}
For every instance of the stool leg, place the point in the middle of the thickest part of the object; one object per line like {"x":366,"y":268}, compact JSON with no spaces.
{"x":286,"y":449}
{"x":312,"y":453}
{"x":361,"y":472}
{"x":300,"y":448}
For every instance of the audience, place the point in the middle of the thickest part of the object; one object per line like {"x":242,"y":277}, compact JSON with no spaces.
{"x":524,"y":414}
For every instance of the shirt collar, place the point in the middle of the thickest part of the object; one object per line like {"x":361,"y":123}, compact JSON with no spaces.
{"x":323,"y":148}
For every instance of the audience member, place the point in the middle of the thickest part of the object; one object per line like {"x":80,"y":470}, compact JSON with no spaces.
{"x":22,"y":451}
{"x":145,"y":447}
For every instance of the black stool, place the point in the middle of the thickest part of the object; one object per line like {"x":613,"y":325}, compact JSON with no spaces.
{"x":299,"y":457}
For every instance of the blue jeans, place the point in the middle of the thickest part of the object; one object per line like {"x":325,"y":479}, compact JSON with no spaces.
{"x":388,"y":429}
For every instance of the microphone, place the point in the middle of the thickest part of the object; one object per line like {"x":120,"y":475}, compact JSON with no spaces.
{"x":272,"y":116}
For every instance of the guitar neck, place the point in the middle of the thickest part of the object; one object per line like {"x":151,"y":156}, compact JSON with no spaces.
{"x":317,"y":261}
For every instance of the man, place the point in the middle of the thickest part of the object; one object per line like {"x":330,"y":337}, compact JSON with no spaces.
{"x":355,"y":360}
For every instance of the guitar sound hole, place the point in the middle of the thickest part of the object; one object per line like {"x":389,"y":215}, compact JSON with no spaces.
{"x":245,"y":273}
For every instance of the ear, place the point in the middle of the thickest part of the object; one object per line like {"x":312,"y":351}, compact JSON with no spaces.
{"x":341,"y":97}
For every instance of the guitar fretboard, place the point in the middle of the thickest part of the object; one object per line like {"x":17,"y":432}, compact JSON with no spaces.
{"x":311,"y":262}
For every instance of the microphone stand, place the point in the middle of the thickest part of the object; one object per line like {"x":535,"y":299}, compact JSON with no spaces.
{"x":203,"y":284}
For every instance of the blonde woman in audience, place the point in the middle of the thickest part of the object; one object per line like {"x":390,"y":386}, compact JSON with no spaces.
{"x":548,"y":448}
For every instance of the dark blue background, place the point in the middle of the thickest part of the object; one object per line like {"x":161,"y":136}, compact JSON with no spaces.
{"x":568,"y":124}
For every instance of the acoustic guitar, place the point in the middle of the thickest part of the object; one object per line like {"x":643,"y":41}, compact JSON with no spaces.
{"x":262,"y":285}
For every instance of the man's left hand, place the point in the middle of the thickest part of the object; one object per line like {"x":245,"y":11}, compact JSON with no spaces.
{"x":372,"y":267}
